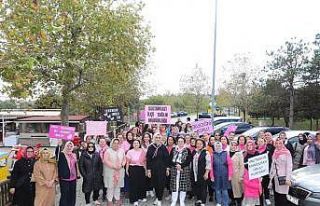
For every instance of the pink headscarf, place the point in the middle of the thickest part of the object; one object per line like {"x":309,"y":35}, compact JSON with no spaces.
{"x":281,"y":151}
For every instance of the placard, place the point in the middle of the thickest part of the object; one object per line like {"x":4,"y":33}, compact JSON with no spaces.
{"x":258,"y":166}
{"x":112,"y":114}
{"x":230,"y":129}
{"x":203,"y":126}
{"x":61,"y":132}
{"x":96,"y":127}
{"x":157,"y":114}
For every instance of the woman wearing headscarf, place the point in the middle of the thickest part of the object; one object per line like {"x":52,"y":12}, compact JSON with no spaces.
{"x":237,"y":178}
{"x":21,"y":187}
{"x":310,"y":153}
{"x":221,"y":174}
{"x":67,"y":173}
{"x":113,"y":174}
{"x":90,"y":166}
{"x":280,"y":174}
{"x":136,"y":171}
{"x":158,"y":166}
{"x":180,"y":159}
{"x":45,"y":175}
{"x":200,"y":166}
{"x":252,"y":188}
{"x":103,"y":148}
{"x":262,"y":149}
{"x":299,"y":151}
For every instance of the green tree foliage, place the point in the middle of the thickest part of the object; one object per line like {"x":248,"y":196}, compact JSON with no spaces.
{"x":80,"y":48}
{"x":288,"y":65}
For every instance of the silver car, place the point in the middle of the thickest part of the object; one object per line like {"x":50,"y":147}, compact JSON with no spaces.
{"x":305,"y":189}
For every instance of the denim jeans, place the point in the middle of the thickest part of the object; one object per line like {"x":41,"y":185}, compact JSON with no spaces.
{"x":222,"y":197}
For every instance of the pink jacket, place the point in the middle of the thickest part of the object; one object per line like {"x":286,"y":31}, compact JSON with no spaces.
{"x":252,"y":188}
{"x":282,"y":166}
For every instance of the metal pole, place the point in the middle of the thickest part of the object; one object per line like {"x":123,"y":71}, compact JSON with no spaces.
{"x":214,"y":60}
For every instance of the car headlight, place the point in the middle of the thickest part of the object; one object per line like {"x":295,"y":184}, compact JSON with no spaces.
{"x":315,"y":195}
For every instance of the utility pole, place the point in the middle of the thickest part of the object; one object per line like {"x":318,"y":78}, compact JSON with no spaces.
{"x":214,"y":60}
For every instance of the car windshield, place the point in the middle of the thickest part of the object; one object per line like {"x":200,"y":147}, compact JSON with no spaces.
{"x":219,"y":126}
{"x":253,"y":131}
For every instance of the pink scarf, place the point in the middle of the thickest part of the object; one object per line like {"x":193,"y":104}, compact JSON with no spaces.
{"x":242,"y":147}
{"x":262,"y":148}
{"x":278,"y":152}
{"x":224,"y":146}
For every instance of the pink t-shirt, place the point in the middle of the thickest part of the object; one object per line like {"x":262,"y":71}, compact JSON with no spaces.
{"x":136,"y":158}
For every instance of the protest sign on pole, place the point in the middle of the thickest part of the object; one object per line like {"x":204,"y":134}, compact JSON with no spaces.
{"x":231,"y":128}
{"x":258,"y":166}
{"x":157,"y":114}
{"x":203,"y":126}
{"x":96,"y":127}
{"x":142,"y":115}
{"x":61,"y":132}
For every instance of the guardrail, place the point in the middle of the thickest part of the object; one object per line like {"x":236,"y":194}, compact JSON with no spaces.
{"x":5,"y":197}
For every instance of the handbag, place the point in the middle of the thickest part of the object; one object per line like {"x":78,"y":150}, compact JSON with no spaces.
{"x":281,"y":179}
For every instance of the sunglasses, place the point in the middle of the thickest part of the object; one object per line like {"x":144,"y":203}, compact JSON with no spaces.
{"x":90,"y":147}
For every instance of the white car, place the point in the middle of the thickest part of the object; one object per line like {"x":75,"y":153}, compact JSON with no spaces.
{"x":219,"y":120}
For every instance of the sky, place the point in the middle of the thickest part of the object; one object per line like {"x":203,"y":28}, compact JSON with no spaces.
{"x":184,"y":32}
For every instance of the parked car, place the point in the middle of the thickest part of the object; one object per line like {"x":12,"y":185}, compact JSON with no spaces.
{"x":241,"y":127}
{"x":182,"y":113}
{"x":219,"y":120}
{"x":204,"y":115}
{"x":305,"y":188}
{"x":174,"y":114}
{"x":254,"y":132}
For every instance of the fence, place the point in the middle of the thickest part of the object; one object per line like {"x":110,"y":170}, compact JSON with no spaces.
{"x":5,"y":197}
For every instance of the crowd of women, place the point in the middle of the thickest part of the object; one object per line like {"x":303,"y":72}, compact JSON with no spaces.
{"x":148,"y":161}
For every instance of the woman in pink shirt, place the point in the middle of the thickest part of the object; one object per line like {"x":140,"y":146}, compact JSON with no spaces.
{"x":136,"y":171}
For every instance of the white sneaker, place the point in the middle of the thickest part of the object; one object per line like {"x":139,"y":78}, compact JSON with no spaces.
{"x":155,"y":202}
{"x":268,"y":202}
{"x":168,"y":197}
{"x":89,"y":204}
{"x":136,"y":203}
{"x":218,"y":205}
{"x":143,"y":200}
{"x":159,"y":203}
{"x":97,"y":202}
{"x":151,"y":193}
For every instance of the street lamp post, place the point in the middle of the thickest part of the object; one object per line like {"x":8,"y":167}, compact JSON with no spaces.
{"x":214,"y":60}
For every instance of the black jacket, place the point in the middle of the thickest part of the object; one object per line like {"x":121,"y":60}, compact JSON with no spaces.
{"x":21,"y":181}
{"x":91,"y":170}
{"x":201,"y":165}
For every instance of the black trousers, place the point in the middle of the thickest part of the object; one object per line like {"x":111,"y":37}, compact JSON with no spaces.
{"x":94,"y":197}
{"x":280,"y":199}
{"x":68,"y":191}
{"x":210,"y":187}
{"x":158,"y":179}
{"x":200,"y":190}
{"x":137,"y":182}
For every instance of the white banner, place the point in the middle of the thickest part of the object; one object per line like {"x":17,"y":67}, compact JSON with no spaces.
{"x":258,"y":166}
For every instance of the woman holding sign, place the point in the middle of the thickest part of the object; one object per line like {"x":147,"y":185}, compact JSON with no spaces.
{"x":280,"y":173}
{"x":252,"y":188}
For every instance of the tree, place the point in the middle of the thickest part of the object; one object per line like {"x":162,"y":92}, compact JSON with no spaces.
{"x":242,"y":81}
{"x":69,"y":45}
{"x":195,"y":84}
{"x":287,"y":64}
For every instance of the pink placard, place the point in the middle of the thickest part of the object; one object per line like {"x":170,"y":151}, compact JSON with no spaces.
{"x":157,"y":114}
{"x":61,"y":132}
{"x":203,"y":126}
{"x":231,"y":128}
{"x":96,"y":127}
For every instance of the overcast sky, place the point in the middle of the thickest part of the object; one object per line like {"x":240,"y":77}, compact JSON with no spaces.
{"x":183,"y":32}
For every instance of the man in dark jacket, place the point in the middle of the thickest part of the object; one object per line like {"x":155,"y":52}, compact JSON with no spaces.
{"x":90,"y":165}
{"x":21,"y":187}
